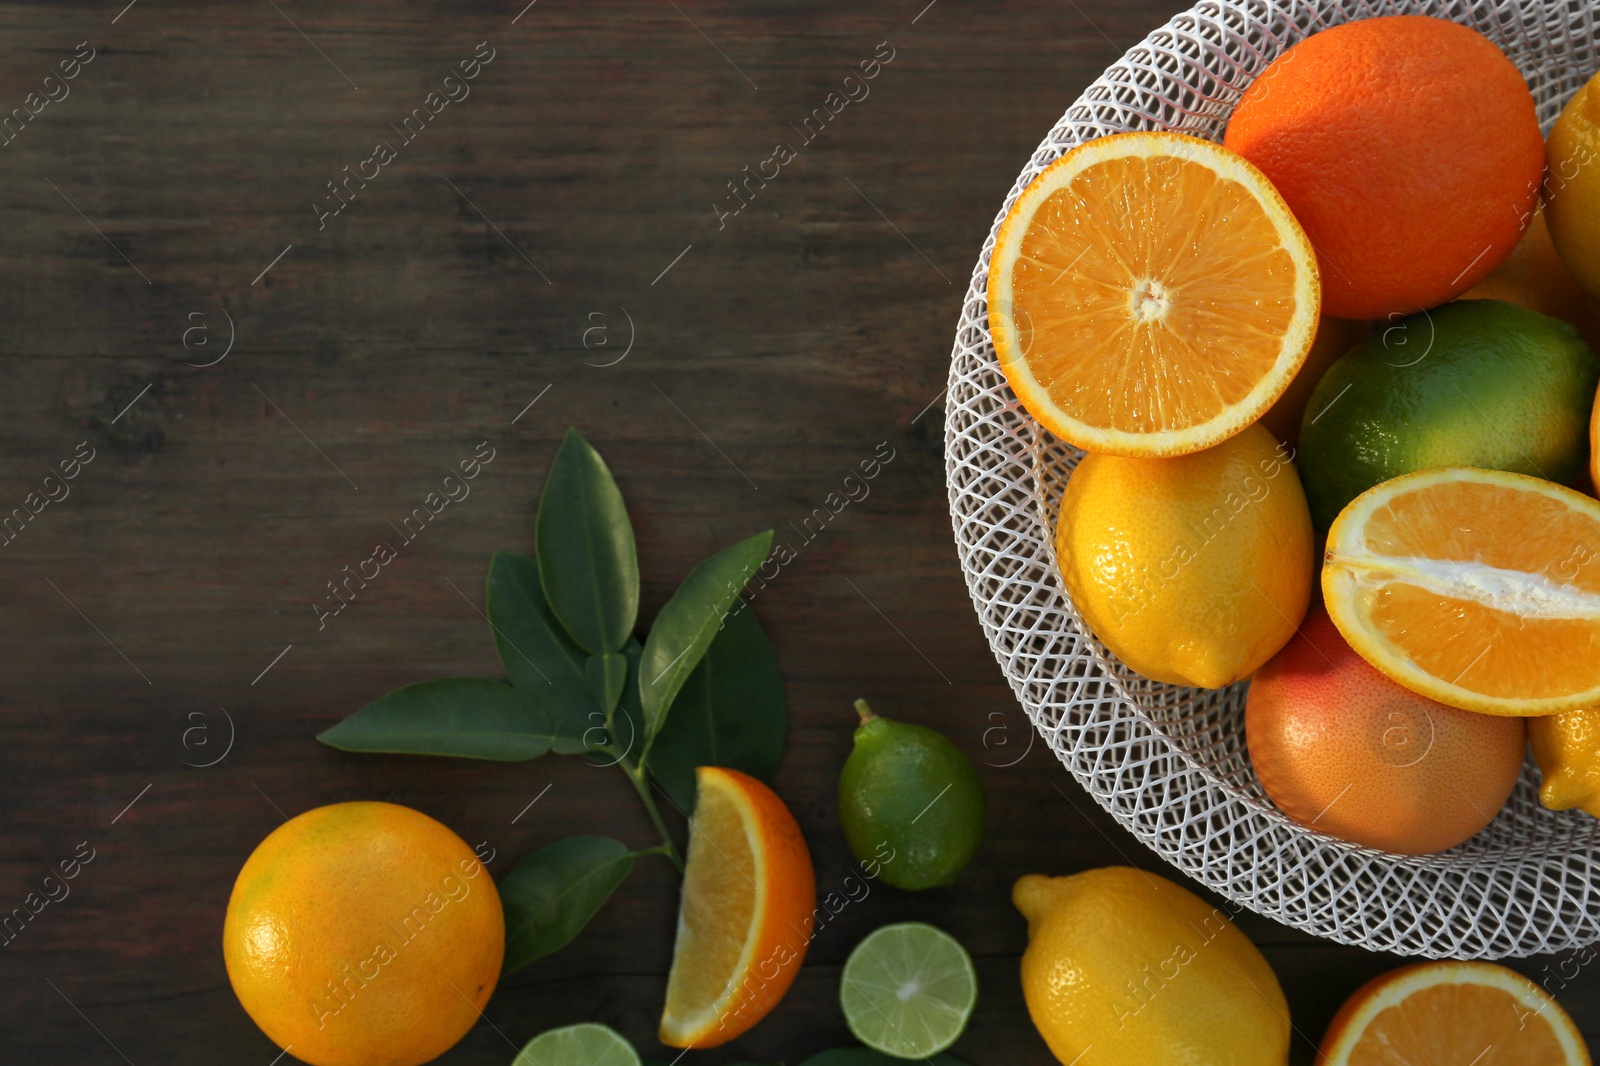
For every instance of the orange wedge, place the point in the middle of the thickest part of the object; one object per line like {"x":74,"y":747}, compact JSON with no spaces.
{"x":1476,"y":588}
{"x":1151,"y":294}
{"x":1452,"y":1014}
{"x":749,"y":894}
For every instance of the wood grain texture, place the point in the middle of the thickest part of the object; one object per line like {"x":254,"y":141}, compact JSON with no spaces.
{"x":377,"y":352}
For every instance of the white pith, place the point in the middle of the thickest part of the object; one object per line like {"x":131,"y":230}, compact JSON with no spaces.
{"x":1515,"y":592}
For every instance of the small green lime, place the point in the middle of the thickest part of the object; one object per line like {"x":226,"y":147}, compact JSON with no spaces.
{"x":590,"y":1043}
{"x":1478,"y":383}
{"x":908,"y":990}
{"x":911,"y":803}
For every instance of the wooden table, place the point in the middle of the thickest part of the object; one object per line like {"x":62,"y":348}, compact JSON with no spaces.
{"x":568,"y":210}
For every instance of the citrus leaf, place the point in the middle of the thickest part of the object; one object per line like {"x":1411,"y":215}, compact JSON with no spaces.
{"x":540,"y":659}
{"x":626,"y":721}
{"x":465,"y":717}
{"x":686,"y":626}
{"x":587,"y":557}
{"x":605,"y":675}
{"x":551,"y":895}
{"x":731,"y":712}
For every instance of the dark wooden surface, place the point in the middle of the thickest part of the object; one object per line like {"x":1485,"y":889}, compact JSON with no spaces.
{"x":187,"y":557}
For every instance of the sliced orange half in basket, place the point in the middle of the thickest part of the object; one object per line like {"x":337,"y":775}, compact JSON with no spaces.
{"x":1452,"y":1012}
{"x":1476,"y":588}
{"x":749,"y":893}
{"x":1151,"y":294}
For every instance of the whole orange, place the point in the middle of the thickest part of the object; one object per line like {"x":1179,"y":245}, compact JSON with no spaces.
{"x":363,"y":934}
{"x":1341,"y":748}
{"x":1409,"y":150}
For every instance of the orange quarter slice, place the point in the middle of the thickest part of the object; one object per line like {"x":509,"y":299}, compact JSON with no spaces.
{"x":1452,"y":1012}
{"x":1476,"y":588}
{"x":749,"y":896}
{"x":1151,"y":294}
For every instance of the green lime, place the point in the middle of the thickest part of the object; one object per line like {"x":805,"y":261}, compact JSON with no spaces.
{"x":589,"y":1044}
{"x":1478,"y":383}
{"x":911,"y":803}
{"x":907,"y":990}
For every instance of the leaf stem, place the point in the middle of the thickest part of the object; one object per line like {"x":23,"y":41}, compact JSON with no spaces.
{"x":641,"y":785}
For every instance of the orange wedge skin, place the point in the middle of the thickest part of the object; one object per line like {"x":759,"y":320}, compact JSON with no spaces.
{"x":750,"y":890}
{"x":1450,"y":1012}
{"x":1150,"y":294}
{"x":1476,"y":588}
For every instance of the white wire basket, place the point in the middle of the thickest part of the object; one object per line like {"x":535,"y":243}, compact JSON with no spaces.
{"x":1170,"y":763}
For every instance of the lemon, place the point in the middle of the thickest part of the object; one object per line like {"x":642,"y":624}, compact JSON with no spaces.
{"x":1572,"y":185}
{"x":1124,"y":966}
{"x":1567,"y":748}
{"x":1193,"y":570}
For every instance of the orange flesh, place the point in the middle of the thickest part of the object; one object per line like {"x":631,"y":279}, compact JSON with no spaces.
{"x":1516,"y":653}
{"x":1458,"y":1023}
{"x":1150,"y":295}
{"x":719,"y":903}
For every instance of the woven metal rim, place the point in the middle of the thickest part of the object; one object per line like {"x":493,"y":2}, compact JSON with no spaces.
{"x":1170,"y":763}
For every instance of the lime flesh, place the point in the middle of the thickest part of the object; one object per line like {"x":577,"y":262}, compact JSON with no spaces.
{"x":908,"y":990}
{"x":589,"y":1044}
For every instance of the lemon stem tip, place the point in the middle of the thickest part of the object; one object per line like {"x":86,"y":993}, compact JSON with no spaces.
{"x":865,"y":712}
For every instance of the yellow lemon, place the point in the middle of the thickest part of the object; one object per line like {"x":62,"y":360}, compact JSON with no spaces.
{"x":1572,"y":185}
{"x":1124,"y":966}
{"x":1567,"y":748}
{"x":1193,"y":570}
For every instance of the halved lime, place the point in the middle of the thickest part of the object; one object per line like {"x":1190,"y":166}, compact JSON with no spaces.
{"x":589,"y":1044}
{"x":908,"y":990}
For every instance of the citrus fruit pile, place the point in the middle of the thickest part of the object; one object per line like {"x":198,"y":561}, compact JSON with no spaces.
{"x":1340,"y":355}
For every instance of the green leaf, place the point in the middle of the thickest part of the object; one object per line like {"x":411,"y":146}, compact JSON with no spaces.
{"x":551,"y":895}
{"x":730,"y":713}
{"x":860,"y":1056}
{"x":687,"y":624}
{"x":586,"y":552}
{"x":539,"y":657}
{"x":627,"y":722}
{"x":467,"y":717}
{"x":605,"y":675}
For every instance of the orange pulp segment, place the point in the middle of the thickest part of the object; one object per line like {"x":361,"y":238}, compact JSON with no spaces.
{"x":1452,"y":1012}
{"x":749,"y":893}
{"x":1151,"y":294}
{"x":1476,"y":588}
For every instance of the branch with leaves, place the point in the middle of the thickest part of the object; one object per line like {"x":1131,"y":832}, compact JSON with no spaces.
{"x":580,"y":682}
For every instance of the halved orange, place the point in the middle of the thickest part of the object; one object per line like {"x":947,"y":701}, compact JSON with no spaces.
{"x":1452,"y":1014}
{"x":1476,"y":588}
{"x":749,"y":896}
{"x":1151,"y":294}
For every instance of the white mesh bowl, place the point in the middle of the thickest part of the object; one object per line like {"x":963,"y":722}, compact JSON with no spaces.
{"x":1170,"y":763}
